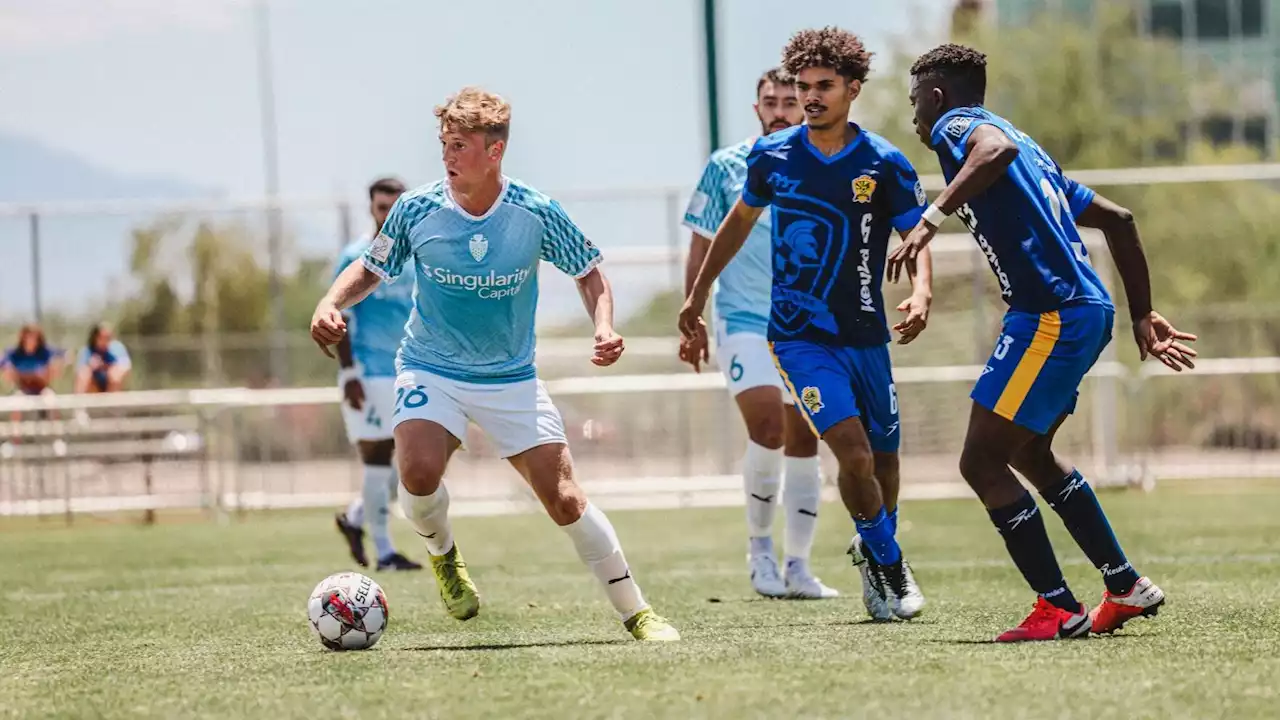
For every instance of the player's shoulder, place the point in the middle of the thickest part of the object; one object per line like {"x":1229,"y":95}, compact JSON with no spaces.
{"x":955,"y":124}
{"x":777,"y":142}
{"x":522,"y":195}
{"x":423,"y":200}
{"x":735,"y":154}
{"x":883,"y":147}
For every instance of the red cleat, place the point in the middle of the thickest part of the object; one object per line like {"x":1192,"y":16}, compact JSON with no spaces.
{"x":1048,"y":622}
{"x":1143,"y":600}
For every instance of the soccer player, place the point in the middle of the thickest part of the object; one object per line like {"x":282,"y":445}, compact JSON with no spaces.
{"x":31,"y":365}
{"x":475,"y":240}
{"x":1024,"y":212}
{"x":836,"y":191}
{"x":777,"y":434}
{"x":104,"y":362}
{"x":367,"y":356}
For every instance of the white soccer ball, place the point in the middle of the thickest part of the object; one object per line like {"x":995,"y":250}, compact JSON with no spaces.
{"x":348,"y":611}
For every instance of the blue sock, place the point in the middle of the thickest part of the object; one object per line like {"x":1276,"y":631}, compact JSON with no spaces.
{"x":893,"y":522}
{"x":1022,"y":527}
{"x":877,"y":536}
{"x":1075,"y":502}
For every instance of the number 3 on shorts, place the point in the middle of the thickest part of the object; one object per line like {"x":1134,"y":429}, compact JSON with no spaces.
{"x":410,"y":399}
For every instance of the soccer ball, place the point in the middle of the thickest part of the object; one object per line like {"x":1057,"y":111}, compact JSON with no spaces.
{"x":348,"y":611}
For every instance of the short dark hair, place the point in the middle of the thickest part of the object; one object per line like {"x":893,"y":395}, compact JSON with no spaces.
{"x":959,"y":69}
{"x":830,"y":47}
{"x":777,"y":76}
{"x":386,"y":186}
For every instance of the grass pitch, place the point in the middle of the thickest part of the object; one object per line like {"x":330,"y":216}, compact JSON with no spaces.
{"x":196,"y":619}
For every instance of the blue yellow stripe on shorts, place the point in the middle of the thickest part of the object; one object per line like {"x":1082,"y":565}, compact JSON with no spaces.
{"x":791,"y":388}
{"x":1038,"y":363}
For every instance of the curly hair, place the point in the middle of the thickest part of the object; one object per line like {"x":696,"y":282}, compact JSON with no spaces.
{"x":961,"y":69}
{"x":829,"y":47}
{"x":475,"y":110}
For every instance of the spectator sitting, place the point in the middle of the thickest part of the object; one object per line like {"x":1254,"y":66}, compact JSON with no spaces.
{"x":104,"y":363}
{"x":31,"y":365}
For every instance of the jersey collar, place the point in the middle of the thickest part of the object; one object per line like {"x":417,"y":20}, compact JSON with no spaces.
{"x":850,"y":147}
{"x":502,"y":194}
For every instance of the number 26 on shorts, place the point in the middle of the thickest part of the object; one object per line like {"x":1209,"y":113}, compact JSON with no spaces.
{"x":410,"y":399}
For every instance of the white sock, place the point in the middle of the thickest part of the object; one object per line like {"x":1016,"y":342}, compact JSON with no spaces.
{"x":761,"y":476}
{"x":355,"y":511}
{"x":801,"y":496}
{"x":377,"y":497}
{"x":430,"y":517}
{"x":597,"y":544}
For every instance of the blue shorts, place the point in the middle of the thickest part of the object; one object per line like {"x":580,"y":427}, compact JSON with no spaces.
{"x":1034,"y":375}
{"x":831,"y":384}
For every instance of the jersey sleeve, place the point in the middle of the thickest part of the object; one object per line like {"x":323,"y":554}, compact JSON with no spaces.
{"x":121,"y":354}
{"x":904,"y":192}
{"x":390,"y":250}
{"x":563,"y":243}
{"x":950,"y":136}
{"x":1079,"y":195}
{"x":757,"y":192}
{"x":710,"y":203}
{"x":83,"y":358}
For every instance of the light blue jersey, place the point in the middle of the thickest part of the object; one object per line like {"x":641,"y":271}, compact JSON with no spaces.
{"x":376,"y":324}
{"x":477,"y":277}
{"x":743,"y":290}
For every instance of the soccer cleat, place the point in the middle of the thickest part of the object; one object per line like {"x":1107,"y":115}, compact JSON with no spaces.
{"x":873,"y":595}
{"x":355,"y":539}
{"x":804,"y":585}
{"x":396,"y":561}
{"x":456,"y":589}
{"x":648,"y":626}
{"x":1048,"y":622}
{"x":1143,"y":600}
{"x":899,"y":588}
{"x":764,"y":575}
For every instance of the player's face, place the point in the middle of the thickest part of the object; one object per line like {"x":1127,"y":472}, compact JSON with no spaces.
{"x":778,"y":107}
{"x":927,"y":101}
{"x":380,"y":207}
{"x":467,"y":160}
{"x":825,"y":96}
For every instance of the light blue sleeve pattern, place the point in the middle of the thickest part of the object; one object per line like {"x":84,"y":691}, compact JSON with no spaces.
{"x":709,"y":204}
{"x":388,"y":253}
{"x":563,"y":244}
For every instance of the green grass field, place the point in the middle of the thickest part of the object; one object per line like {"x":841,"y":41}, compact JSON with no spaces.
{"x":191,"y":619}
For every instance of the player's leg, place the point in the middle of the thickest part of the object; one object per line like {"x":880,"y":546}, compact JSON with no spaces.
{"x":801,"y":498}
{"x":887,"y":473}
{"x":1011,"y":400}
{"x":528,"y":430}
{"x":379,"y":476}
{"x":428,"y":424}
{"x":1128,"y":595}
{"x":762,"y":465}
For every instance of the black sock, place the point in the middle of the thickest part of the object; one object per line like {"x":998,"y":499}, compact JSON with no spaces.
{"x":1022,"y":528}
{"x":1074,"y":501}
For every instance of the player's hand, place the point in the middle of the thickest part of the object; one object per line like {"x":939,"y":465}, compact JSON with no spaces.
{"x":917,"y":309}
{"x":694,"y":352}
{"x":690,"y":320}
{"x":608,"y":348}
{"x":905,"y":254}
{"x":1158,"y":338}
{"x":353,"y":393}
{"x":327,"y":327}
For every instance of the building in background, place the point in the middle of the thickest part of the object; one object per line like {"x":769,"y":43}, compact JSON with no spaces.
{"x":1241,"y":38}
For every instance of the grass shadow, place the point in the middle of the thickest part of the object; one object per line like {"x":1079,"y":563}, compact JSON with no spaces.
{"x":514,"y":645}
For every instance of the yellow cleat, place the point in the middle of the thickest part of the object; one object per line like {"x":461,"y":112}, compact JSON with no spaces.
{"x":456,"y":589}
{"x":648,"y":626}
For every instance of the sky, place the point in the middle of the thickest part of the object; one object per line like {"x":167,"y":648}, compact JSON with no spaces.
{"x":606,"y":95}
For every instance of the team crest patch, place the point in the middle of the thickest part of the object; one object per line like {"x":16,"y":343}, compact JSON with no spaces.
{"x":380,"y":250}
{"x":479,"y":247}
{"x":863,"y":186}
{"x":812,"y":399}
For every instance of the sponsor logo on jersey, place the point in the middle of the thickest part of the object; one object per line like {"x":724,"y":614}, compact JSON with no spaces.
{"x":380,"y":250}
{"x":812,"y":399}
{"x":780,"y":153}
{"x":479,"y":247}
{"x":921,"y":198}
{"x":971,"y":222}
{"x":863,"y":186}
{"x":488,"y":286}
{"x":957,"y":125}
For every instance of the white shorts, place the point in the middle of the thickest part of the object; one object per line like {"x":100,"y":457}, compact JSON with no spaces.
{"x":516,"y":416}
{"x":372,"y":422}
{"x":746,"y":362}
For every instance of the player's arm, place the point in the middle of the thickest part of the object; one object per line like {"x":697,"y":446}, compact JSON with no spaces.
{"x":988,"y":153}
{"x":597,"y":298}
{"x":707,"y":209}
{"x":565,"y":246}
{"x":352,"y":389}
{"x":728,"y":241}
{"x":1153,"y":333}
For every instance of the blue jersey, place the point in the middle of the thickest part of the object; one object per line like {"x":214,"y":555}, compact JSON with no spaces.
{"x":1025,"y":222}
{"x":24,"y":363}
{"x":477,"y":277}
{"x":743,"y":289}
{"x":376,"y":324}
{"x":831,"y":222}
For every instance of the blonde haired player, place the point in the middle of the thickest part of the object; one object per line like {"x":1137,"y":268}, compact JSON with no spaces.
{"x":475,"y":240}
